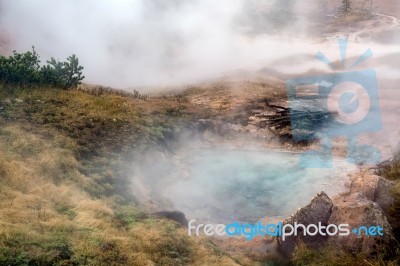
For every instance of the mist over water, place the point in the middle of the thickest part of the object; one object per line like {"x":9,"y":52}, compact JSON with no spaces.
{"x":225,"y":185}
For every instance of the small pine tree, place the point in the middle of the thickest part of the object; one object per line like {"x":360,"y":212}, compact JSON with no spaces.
{"x":20,"y":69}
{"x":24,"y":70}
{"x":63,"y":74}
{"x":346,"y":5}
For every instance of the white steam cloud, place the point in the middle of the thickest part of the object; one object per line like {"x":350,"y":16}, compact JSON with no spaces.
{"x":142,"y":42}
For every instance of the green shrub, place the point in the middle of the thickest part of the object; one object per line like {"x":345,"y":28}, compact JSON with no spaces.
{"x":24,"y":70}
{"x":20,"y":69}
{"x":62,"y":74}
{"x":346,"y":5}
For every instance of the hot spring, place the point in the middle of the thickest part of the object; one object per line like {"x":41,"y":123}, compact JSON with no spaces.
{"x":217,"y":185}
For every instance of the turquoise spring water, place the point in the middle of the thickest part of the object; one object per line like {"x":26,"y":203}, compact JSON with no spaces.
{"x":242,"y":185}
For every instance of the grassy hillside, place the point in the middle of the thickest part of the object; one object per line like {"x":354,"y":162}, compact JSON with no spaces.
{"x":65,"y":191}
{"x":64,"y":195}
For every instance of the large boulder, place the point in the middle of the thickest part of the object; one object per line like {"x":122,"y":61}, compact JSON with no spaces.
{"x":176,"y":216}
{"x":374,"y":188}
{"x":360,"y":207}
{"x":318,"y":211}
{"x":357,"y":210}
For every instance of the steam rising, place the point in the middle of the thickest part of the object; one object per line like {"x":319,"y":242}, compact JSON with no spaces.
{"x":143,"y":42}
{"x":124,"y":43}
{"x":128,"y":43}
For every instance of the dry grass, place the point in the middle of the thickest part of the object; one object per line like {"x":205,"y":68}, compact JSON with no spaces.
{"x":60,"y":202}
{"x":46,"y":217}
{"x":335,"y":256}
{"x":327,"y":256}
{"x":64,"y":194}
{"x":94,"y":130}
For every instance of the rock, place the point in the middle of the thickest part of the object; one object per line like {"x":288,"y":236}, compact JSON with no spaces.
{"x":375,"y":188}
{"x":383,"y":195}
{"x":365,"y":205}
{"x":357,"y":210}
{"x":204,"y":124}
{"x":176,"y":216}
{"x":318,"y":211}
{"x":365,"y":184}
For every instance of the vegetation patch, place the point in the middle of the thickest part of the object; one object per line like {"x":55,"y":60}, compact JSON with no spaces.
{"x":24,"y":70}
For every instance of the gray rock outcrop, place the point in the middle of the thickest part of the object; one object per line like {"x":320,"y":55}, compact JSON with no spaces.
{"x":365,"y":205}
{"x":374,"y":188}
{"x":357,"y":210}
{"x":318,"y":211}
